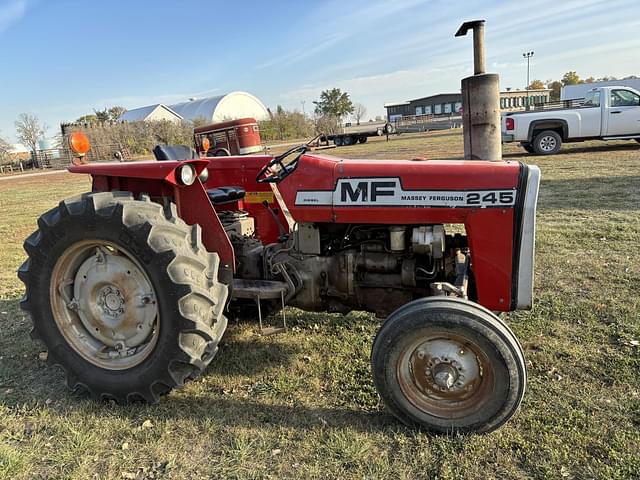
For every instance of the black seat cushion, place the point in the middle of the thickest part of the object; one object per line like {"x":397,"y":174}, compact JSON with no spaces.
{"x":174,"y":152}
{"x":221,"y":195}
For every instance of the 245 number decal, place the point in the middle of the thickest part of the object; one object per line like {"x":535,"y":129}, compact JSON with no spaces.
{"x":492,"y":198}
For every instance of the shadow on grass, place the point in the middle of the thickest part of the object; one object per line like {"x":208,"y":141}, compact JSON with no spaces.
{"x":596,"y":193}
{"x":572,"y":148}
{"x":25,"y":379}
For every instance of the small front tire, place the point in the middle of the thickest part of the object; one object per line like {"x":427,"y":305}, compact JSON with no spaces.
{"x":448,"y":365}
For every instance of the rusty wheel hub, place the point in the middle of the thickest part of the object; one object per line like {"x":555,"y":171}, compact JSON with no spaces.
{"x":445,"y":375}
{"x":104,"y":305}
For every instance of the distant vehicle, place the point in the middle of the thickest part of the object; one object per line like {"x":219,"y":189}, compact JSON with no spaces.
{"x":235,"y":137}
{"x":352,"y":134}
{"x":607,"y":113}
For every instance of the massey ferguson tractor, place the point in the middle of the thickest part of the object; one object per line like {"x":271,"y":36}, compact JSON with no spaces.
{"x":129,"y":286}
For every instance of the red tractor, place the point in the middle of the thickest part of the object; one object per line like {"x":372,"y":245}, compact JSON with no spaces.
{"x":129,"y":285}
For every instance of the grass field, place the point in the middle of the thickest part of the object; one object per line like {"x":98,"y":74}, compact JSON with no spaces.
{"x":302,"y":404}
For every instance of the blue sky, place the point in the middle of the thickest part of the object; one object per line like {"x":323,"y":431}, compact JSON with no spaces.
{"x":62,"y":58}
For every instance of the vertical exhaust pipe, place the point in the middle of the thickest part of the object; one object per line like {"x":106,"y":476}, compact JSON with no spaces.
{"x":480,"y":102}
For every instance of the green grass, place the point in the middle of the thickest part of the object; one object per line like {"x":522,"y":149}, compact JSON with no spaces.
{"x":302,"y":404}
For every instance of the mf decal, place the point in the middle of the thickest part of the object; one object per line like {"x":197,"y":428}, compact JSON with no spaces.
{"x":388,"y":192}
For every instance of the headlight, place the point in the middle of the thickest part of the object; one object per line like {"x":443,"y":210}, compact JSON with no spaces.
{"x":186,"y":174}
{"x":204,"y":175}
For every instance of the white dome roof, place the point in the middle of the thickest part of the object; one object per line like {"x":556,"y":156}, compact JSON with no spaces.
{"x":223,"y":107}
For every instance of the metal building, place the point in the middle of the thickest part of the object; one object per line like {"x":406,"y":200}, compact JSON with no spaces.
{"x":150,"y":113}
{"x":230,"y":106}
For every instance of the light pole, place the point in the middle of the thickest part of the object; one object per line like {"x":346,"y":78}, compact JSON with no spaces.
{"x":303,"y":114}
{"x":528,"y":56}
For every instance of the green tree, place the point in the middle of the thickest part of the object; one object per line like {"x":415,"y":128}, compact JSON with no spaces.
{"x":334,"y":102}
{"x":555,"y":87}
{"x":590,"y":80}
{"x":536,"y":85}
{"x":91,"y":118}
{"x":571,"y":78}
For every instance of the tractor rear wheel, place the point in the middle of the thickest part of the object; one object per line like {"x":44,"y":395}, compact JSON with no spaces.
{"x":448,"y":365}
{"x":124,"y":295}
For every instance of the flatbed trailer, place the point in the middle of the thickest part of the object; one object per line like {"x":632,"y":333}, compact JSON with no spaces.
{"x":359,"y":134}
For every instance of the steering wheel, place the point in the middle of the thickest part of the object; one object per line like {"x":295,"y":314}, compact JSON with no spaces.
{"x":275,"y":171}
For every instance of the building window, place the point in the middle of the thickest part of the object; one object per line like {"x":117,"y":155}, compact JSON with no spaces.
{"x":458,"y":107}
{"x":418,"y":110}
{"x":427,"y":110}
{"x":438,"y":109}
{"x":447,"y":108}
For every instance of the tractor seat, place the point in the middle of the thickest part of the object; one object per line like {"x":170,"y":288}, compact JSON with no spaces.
{"x":222,"y":195}
{"x":174,"y":152}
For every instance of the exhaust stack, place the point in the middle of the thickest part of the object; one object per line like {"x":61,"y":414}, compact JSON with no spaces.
{"x":480,"y":102}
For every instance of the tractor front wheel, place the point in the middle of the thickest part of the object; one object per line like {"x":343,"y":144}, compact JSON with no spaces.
{"x":448,"y":365}
{"x":124,"y":295}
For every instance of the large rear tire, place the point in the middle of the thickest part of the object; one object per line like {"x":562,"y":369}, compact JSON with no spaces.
{"x":448,"y":365}
{"x":124,"y":295}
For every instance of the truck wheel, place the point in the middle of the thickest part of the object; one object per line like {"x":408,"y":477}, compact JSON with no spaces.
{"x":337,"y":141}
{"x":528,"y":147}
{"x":123,"y":294}
{"x":547,"y":142}
{"x":348,"y":140}
{"x":362,"y":139}
{"x":448,"y":365}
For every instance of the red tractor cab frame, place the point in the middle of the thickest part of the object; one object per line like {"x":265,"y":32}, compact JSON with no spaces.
{"x":235,"y":137}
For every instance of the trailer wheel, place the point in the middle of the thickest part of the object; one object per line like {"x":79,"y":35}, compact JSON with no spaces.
{"x":348,"y":140}
{"x":337,"y":141}
{"x":448,"y":365}
{"x":218,"y":152}
{"x":124,"y":296}
{"x":547,"y":142}
{"x":362,"y":139}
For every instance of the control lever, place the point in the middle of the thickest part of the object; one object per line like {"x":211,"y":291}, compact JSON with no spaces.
{"x":274,"y":213}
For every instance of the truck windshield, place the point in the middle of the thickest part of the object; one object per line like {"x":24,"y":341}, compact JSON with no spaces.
{"x":592,"y":99}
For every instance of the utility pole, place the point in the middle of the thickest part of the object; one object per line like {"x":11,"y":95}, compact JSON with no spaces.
{"x":528,"y":56}
{"x":303,"y":114}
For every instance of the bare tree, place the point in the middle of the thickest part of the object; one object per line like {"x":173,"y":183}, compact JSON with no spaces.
{"x":359,"y":111}
{"x":29,"y":130}
{"x":5,"y":147}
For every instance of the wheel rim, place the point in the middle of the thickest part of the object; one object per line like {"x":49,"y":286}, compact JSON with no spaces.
{"x":445,"y":375}
{"x":548,"y":143}
{"x":104,"y":305}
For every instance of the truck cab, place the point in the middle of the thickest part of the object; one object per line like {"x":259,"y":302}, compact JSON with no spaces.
{"x":606,"y":113}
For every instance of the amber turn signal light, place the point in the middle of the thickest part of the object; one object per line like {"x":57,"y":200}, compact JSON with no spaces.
{"x":79,"y":143}
{"x":205,"y":145}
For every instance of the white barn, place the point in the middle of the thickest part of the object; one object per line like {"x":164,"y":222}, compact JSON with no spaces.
{"x":150,"y":113}
{"x":229,"y":106}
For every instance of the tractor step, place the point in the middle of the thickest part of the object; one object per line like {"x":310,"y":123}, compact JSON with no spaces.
{"x":265,"y":289}
{"x":262,"y":290}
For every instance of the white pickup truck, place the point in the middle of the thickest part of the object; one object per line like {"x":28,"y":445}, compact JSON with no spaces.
{"x":607,"y":113}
